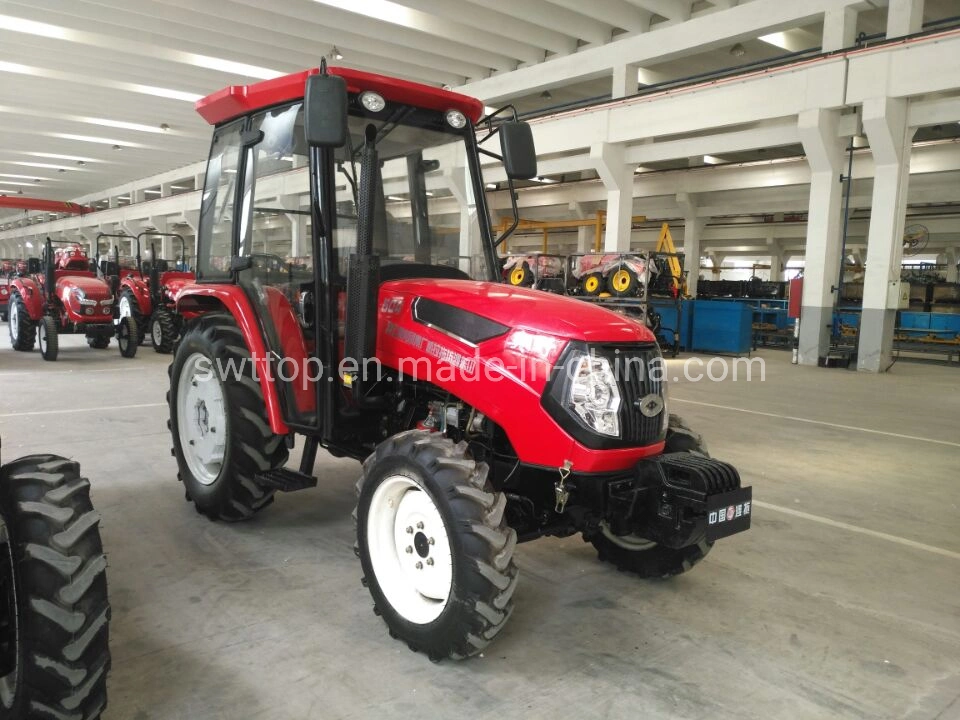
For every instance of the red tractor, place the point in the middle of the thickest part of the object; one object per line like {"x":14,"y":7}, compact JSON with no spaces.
{"x":6,"y":270}
{"x":149,"y":290}
{"x":54,"y":613}
{"x":484,"y":414}
{"x":67,"y":296}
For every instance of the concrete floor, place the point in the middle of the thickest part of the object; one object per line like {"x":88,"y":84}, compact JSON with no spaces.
{"x":843,"y":601}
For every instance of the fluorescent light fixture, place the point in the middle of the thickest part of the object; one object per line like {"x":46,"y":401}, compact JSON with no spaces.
{"x":179,"y":187}
{"x":7,"y":182}
{"x":57,"y":156}
{"x":777,"y":39}
{"x":49,"y":166}
{"x":123,"y":197}
{"x":545,"y":180}
{"x":395,"y":198}
{"x":18,"y":177}
{"x":428,"y":193}
{"x":151,"y":192}
{"x":712,"y":160}
{"x":96,"y":139}
{"x":384,"y":10}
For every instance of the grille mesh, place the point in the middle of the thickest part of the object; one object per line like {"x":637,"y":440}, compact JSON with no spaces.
{"x":632,"y":366}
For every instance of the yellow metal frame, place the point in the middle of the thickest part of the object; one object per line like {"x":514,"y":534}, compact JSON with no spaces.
{"x":665,"y":245}
{"x":598,"y":223}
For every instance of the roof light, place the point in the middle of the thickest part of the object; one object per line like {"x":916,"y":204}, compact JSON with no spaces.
{"x":372,"y":101}
{"x":456,"y":119}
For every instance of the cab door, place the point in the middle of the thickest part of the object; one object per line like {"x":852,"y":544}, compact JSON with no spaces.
{"x":275,"y":256}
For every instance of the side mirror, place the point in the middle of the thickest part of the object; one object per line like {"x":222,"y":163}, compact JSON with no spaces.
{"x":519,"y":153}
{"x":325,"y":111}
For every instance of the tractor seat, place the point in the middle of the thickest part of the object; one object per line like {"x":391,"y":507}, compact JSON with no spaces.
{"x":410,"y":271}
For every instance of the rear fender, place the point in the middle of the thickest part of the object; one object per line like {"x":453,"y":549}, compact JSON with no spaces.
{"x":140,"y":290}
{"x":196,"y":300}
{"x":32,"y":294}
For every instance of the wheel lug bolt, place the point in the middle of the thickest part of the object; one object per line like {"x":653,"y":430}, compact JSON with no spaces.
{"x":432,"y":541}
{"x":419,"y":566}
{"x":420,"y":525}
{"x":409,"y":530}
{"x":429,"y":561}
{"x":409,"y":549}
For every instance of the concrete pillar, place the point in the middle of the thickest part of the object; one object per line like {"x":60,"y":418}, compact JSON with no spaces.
{"x":953,"y":257}
{"x":617,"y":178}
{"x":624,"y":81}
{"x":585,"y":234}
{"x":904,"y":17}
{"x":776,"y":262}
{"x":693,"y":227}
{"x":470,"y":249}
{"x":825,"y":153}
{"x":885,"y":122}
{"x":839,"y":29}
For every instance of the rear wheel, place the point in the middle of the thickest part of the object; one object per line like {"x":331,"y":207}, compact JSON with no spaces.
{"x":127,"y":334}
{"x":631,"y":553}
{"x":436,"y":550}
{"x":163,"y":331}
{"x":591,"y":284}
{"x":23,"y":330}
{"x":129,"y":307}
{"x":521,"y":276}
{"x":54,"y":612}
{"x":49,"y":338}
{"x":623,"y":282}
{"x":221,"y":435}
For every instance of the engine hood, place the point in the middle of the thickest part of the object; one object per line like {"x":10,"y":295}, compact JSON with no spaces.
{"x":93,"y":288}
{"x":530,"y":310}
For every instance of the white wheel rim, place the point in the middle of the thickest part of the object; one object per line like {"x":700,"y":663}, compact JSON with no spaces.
{"x":201,"y":420}
{"x":42,"y":335}
{"x":157,"y":332}
{"x":628,"y":542}
{"x":409,"y":549}
{"x":14,"y":320}
{"x":125,"y":307}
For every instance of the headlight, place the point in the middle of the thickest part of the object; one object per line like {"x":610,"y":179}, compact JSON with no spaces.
{"x":81,"y":297}
{"x":456,"y":119}
{"x":372,"y":101}
{"x":594,"y":396}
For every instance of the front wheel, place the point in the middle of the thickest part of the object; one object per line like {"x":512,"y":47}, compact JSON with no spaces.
{"x":163,"y":331}
{"x":127,"y":336}
{"x":521,"y":275}
{"x":623,"y":282}
{"x":49,"y":338}
{"x":645,"y":558}
{"x":435,"y":547}
{"x":54,"y":613}
{"x":221,"y":435}
{"x":591,"y":284}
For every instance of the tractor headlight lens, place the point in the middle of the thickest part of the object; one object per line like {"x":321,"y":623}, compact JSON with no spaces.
{"x":372,"y":101}
{"x":456,"y":119}
{"x":593,"y":395}
{"x":89,"y":311}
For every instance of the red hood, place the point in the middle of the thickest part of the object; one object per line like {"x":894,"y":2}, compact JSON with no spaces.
{"x":531,"y":310}
{"x":93,"y":288}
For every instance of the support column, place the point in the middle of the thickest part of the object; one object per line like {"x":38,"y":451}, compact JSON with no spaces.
{"x":953,"y":256}
{"x":839,"y":29}
{"x":624,"y":81}
{"x":885,"y":123}
{"x":470,"y":246}
{"x":617,"y":178}
{"x":776,"y":260}
{"x":585,"y":234}
{"x":904,"y":17}
{"x":825,"y":153}
{"x":693,"y":227}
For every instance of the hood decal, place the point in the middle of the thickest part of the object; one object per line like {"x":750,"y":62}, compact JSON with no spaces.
{"x":461,"y":324}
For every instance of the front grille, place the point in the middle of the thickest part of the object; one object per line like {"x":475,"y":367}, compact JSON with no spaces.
{"x":636,"y":369}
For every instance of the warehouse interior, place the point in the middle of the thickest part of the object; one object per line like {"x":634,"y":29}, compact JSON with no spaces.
{"x":764,"y":186}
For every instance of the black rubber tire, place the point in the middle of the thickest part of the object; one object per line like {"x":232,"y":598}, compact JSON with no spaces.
{"x":482,"y":544}
{"x":98,"y":342}
{"x":658,"y":561}
{"x":164,"y":324}
{"x":630,"y":289}
{"x":127,"y":332}
{"x":59,"y":575}
{"x":585,"y":281}
{"x":251,"y":447}
{"x":135,"y":312}
{"x":49,"y":338}
{"x":26,"y":338}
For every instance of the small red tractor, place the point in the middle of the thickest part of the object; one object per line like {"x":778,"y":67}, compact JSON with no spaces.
{"x":66,"y":296}
{"x":54,"y":612}
{"x":149,"y":292}
{"x":6,"y":271}
{"x":483,"y":414}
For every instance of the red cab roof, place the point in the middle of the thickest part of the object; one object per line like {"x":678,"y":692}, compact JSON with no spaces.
{"x":237,"y":100}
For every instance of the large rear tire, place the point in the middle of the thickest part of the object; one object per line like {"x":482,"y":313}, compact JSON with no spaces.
{"x":54,"y":612}
{"x":221,"y":435}
{"x":23,"y":330}
{"x":631,"y":553}
{"x":436,"y":550}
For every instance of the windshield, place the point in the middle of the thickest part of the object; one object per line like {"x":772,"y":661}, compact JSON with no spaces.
{"x":425,"y":210}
